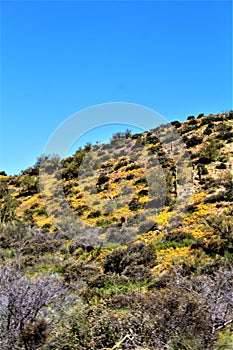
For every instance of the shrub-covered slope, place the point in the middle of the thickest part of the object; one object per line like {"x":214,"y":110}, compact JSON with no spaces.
{"x":129,"y":246}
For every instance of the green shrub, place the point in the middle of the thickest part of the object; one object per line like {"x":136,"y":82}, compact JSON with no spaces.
{"x":209,"y":128}
{"x":102,"y":179}
{"x":94,"y":214}
{"x":121,"y":164}
{"x":178,"y":236}
{"x":141,"y":181}
{"x":134,"y":205}
{"x":135,"y":254}
{"x":221,"y":166}
{"x":221,"y":239}
{"x":143,"y":193}
{"x":176,"y":124}
{"x":193,"y":141}
{"x":77,"y":271}
{"x":209,"y":152}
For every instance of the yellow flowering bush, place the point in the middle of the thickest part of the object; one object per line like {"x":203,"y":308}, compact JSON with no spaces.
{"x":166,"y":257}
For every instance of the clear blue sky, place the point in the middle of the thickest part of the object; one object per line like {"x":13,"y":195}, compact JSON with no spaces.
{"x":60,"y":57}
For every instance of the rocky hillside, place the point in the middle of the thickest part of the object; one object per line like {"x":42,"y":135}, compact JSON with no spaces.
{"x":129,"y":245}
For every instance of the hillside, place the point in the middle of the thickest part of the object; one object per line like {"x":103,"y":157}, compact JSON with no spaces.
{"x":128,"y":245}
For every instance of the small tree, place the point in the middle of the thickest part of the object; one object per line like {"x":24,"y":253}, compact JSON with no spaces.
{"x":7,"y":204}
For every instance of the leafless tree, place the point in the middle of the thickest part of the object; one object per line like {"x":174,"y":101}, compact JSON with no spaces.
{"x":21,"y":301}
{"x":216,"y":291}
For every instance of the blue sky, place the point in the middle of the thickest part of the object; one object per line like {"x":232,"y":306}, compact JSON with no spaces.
{"x":60,"y":57}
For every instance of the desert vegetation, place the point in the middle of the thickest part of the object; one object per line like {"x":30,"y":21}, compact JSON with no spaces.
{"x":142,"y":265}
